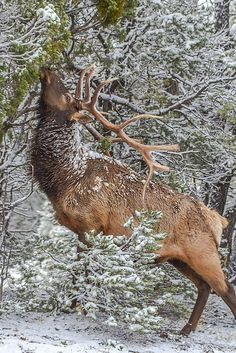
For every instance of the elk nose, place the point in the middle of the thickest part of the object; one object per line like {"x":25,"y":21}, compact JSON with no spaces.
{"x":46,"y":76}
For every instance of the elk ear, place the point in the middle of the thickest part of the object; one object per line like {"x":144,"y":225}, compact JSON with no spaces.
{"x":67,"y":97}
{"x":45,"y":76}
{"x":81,"y":118}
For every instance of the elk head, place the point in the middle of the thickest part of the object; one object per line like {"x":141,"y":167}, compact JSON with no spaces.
{"x":56,"y":102}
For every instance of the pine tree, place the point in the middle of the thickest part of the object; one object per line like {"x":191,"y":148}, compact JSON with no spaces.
{"x":116,"y":277}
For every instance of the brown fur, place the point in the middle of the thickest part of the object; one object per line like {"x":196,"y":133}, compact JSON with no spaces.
{"x":106,"y":195}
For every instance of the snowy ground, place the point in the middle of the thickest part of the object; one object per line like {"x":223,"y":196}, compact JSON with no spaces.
{"x":70,"y":333}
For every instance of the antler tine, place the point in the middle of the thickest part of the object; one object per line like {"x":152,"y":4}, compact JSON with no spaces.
{"x":79,"y":87}
{"x":152,"y":166}
{"x":172,"y":148}
{"x":149,"y":177}
{"x":98,"y":90}
{"x":87,"y":97}
{"x":138,"y":117}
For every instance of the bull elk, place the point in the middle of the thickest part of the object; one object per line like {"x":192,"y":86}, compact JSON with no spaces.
{"x":91,"y":191}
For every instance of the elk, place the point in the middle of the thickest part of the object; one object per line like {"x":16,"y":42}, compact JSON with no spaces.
{"x":91,"y":191}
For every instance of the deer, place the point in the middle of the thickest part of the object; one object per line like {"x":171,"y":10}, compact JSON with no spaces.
{"x":92,"y":191}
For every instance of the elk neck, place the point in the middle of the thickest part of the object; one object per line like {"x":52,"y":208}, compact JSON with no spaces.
{"x":58,"y":157}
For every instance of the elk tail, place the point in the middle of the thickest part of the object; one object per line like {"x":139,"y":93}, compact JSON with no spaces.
{"x":224,"y":222}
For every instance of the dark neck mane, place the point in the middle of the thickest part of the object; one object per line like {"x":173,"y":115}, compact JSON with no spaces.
{"x":53,"y":114}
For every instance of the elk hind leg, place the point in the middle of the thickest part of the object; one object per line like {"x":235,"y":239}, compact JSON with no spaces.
{"x":209,"y":268}
{"x":202,"y":296}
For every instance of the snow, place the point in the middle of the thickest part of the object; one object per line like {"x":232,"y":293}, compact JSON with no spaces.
{"x":48,"y":14}
{"x":233,"y":30}
{"x":70,"y":333}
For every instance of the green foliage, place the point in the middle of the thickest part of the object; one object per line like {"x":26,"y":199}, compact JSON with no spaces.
{"x":228,"y":112}
{"x":105,"y":144}
{"x":111,"y":11}
{"x":29,"y":52}
{"x":174,"y":182}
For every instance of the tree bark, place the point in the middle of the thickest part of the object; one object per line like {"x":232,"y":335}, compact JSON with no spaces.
{"x":222,"y":15}
{"x":216,"y":194}
{"x":231,"y":239}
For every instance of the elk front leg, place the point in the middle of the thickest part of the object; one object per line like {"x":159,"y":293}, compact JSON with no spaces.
{"x":74,"y":302}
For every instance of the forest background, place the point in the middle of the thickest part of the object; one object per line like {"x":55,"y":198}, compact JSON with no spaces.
{"x":175,"y":59}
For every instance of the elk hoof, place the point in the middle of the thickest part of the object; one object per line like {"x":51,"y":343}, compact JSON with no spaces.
{"x":187,"y":329}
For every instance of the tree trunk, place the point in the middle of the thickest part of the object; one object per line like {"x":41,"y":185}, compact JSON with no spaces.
{"x":216,"y":195}
{"x":222,"y":15}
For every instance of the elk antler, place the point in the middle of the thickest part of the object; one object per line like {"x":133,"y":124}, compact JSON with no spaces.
{"x":88,"y":102}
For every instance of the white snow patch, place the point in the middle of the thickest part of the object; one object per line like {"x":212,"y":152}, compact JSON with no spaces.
{"x":98,"y":184}
{"x":48,"y":14}
{"x":233,"y":30}
{"x":70,"y":333}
